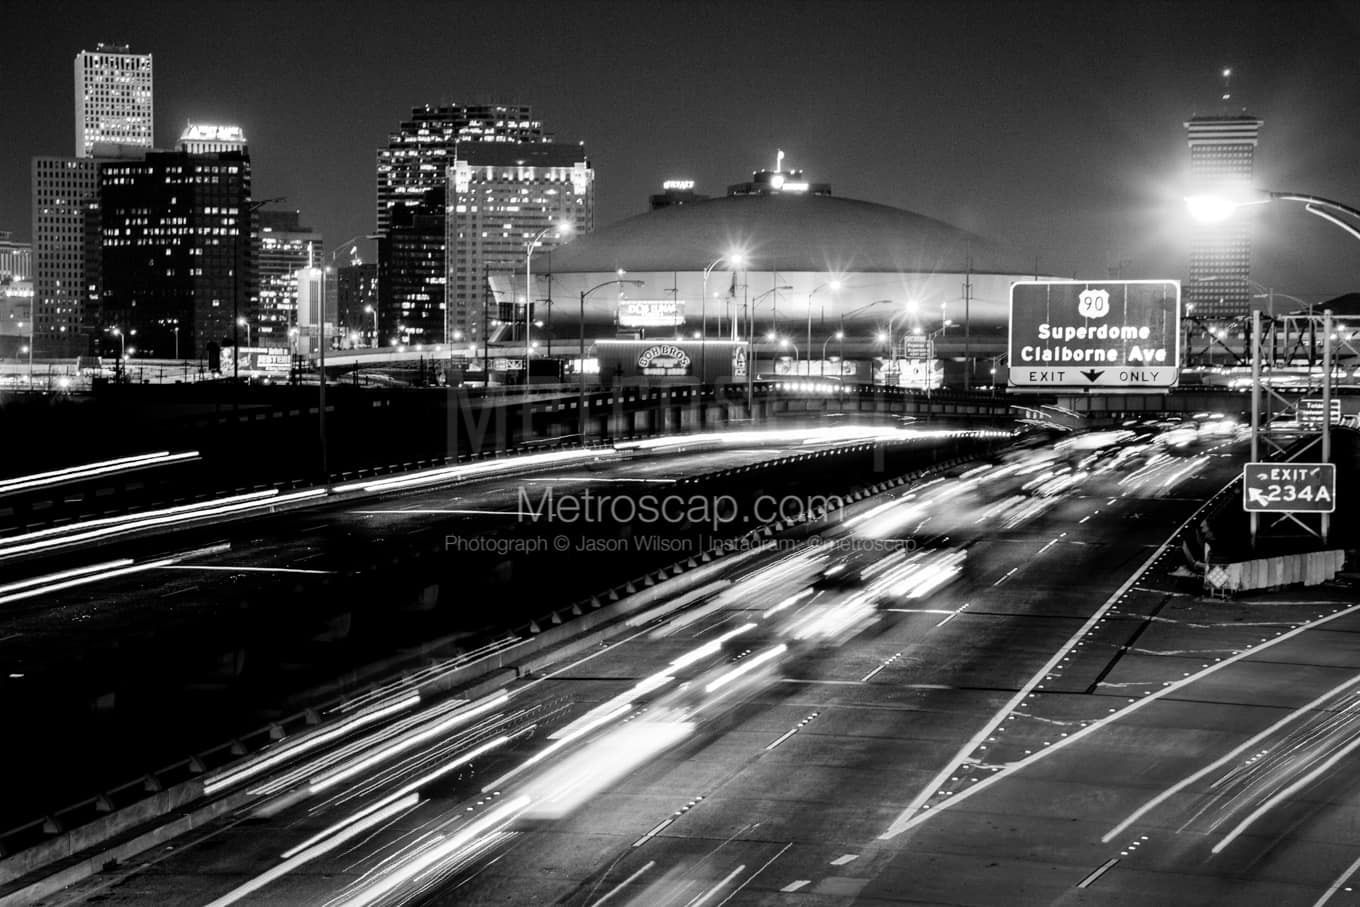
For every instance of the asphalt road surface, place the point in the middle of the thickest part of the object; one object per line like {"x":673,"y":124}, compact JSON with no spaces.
{"x":1031,"y":703}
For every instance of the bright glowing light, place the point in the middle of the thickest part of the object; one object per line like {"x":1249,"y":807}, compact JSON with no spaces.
{"x":1210,"y":209}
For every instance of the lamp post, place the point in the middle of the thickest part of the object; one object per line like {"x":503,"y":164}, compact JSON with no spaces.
{"x":368,"y":309}
{"x":564,"y":227}
{"x":833,"y":286}
{"x":751,"y":321}
{"x":1212,"y":209}
{"x":245,"y":324}
{"x":783,"y":342}
{"x":736,"y":259}
{"x":581,"y":360}
{"x":839,"y":335}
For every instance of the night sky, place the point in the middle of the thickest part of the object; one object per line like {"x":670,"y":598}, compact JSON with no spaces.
{"x":1056,"y":126}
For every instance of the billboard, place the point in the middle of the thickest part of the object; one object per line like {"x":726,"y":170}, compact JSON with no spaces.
{"x":1095,"y":335}
{"x":650,"y":313}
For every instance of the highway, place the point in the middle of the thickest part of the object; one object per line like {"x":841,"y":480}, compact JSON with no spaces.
{"x":1024,"y":700}
{"x":173,"y":642}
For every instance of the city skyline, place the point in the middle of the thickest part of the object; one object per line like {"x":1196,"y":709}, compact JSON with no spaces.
{"x":1070,"y":142}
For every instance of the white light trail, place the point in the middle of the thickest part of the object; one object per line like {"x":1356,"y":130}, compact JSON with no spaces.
{"x":290,"y":749}
{"x":88,"y":470}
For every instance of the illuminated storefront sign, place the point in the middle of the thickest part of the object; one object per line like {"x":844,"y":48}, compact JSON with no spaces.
{"x":664,"y":359}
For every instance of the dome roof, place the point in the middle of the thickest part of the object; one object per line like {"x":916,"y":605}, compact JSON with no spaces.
{"x":789,"y":233}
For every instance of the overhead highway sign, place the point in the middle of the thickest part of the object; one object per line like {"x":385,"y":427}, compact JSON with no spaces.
{"x":1100,"y":335}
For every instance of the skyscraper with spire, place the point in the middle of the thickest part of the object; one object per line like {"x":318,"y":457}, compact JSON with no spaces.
{"x":1222,"y":158}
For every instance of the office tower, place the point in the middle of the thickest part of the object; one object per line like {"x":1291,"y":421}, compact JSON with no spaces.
{"x":411,"y":273}
{"x":417,"y":154}
{"x":357,"y":300}
{"x":285,"y":247}
{"x":177,"y":251}
{"x":113,"y":94}
{"x":65,"y":259}
{"x":500,"y":197}
{"x":1222,"y":153}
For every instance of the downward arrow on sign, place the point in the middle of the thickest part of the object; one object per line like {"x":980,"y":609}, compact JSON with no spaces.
{"x":1092,"y":375}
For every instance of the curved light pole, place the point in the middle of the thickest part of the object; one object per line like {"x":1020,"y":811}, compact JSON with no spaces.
{"x":564,"y":228}
{"x":1210,"y":209}
{"x":370,"y":310}
{"x":834,"y":286}
{"x":783,"y":342}
{"x":733,"y":258}
{"x":839,"y":335}
{"x":581,"y":360}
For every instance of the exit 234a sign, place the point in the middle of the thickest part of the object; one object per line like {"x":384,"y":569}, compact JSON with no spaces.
{"x":1105,"y":335}
{"x":1289,"y":488}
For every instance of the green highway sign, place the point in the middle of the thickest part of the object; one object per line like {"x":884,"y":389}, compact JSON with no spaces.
{"x":1289,"y":488}
{"x":1095,"y":335}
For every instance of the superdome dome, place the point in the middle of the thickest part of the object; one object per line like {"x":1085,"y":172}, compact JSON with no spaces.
{"x":788,"y":232}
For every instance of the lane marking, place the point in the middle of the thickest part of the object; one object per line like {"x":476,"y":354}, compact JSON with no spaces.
{"x":1336,"y":886}
{"x":1099,"y":871}
{"x":794,"y":886}
{"x":909,"y":817}
{"x":1009,"y":573}
{"x":1051,"y":543}
{"x":789,"y":733}
{"x":418,"y":511}
{"x":660,"y":826}
{"x":846,"y":858}
{"x":625,"y":883}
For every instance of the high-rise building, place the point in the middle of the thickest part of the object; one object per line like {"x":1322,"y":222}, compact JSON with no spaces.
{"x":1222,"y":154}
{"x":417,"y":154}
{"x":113,"y":98}
{"x":65,"y":259}
{"x":411,"y":273}
{"x":358,"y":301}
{"x":177,"y":251}
{"x":16,"y":258}
{"x":500,"y":197}
{"x":285,"y":247}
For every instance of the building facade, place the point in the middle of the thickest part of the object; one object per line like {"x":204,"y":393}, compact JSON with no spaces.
{"x":411,"y":281}
{"x":177,"y":256}
{"x":65,"y":252}
{"x":500,"y":198}
{"x":1222,"y":156}
{"x":285,"y":247}
{"x":417,"y":154}
{"x":358,"y":301}
{"x":16,"y":259}
{"x":113,"y":98}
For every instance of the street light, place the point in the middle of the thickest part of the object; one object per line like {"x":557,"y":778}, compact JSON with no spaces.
{"x":834,"y":286}
{"x":783,"y":342}
{"x":581,"y":355}
{"x":736,"y":259}
{"x":563,"y":228}
{"x":839,"y":335}
{"x":374,"y":312}
{"x":246,"y":324}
